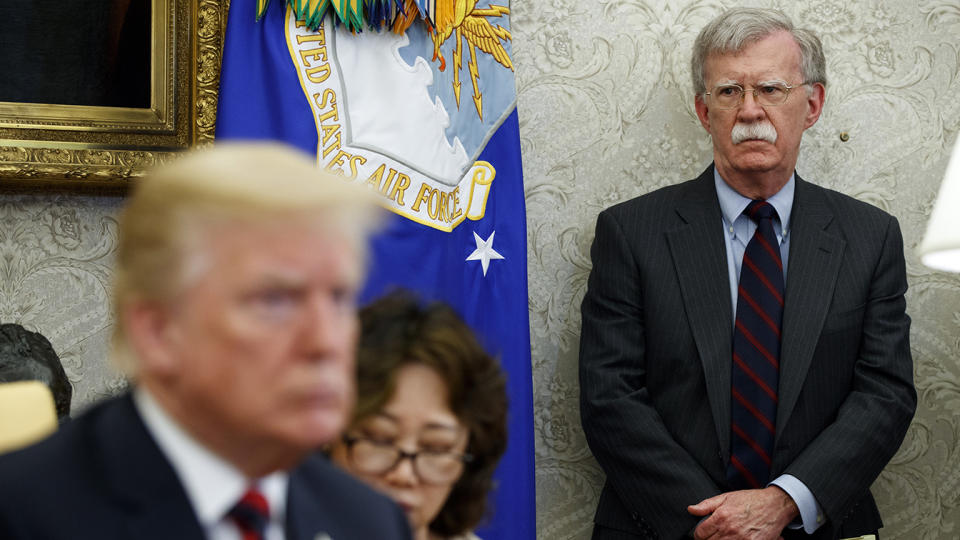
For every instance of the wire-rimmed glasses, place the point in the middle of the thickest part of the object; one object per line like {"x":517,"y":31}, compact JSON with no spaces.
{"x":767,"y":94}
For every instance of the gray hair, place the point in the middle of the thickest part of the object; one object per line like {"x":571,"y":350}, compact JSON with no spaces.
{"x":736,"y":28}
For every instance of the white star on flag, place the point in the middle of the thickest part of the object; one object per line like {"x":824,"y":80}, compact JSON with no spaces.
{"x":484,"y":252}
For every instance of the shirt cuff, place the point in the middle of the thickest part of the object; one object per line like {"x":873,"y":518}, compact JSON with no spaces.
{"x":811,"y":515}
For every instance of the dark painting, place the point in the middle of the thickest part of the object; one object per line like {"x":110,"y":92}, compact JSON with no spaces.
{"x":76,"y":52}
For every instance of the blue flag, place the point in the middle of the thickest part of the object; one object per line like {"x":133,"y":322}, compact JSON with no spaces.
{"x":430,"y":123}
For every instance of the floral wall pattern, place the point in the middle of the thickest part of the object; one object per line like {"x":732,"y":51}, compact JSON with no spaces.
{"x":606,"y":114}
{"x":56,"y":258}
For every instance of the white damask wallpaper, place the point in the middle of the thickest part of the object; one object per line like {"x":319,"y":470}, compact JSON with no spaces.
{"x":56,"y":257}
{"x":606,"y":113}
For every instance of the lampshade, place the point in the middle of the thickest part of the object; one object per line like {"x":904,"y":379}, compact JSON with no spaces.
{"x":940,"y":248}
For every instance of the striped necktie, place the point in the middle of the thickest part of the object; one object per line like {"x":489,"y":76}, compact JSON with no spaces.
{"x":756,"y":353}
{"x":251,"y":515}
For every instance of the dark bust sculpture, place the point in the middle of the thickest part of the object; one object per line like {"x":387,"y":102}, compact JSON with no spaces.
{"x":28,"y":356}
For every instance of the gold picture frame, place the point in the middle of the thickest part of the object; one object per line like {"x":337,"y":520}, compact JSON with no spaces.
{"x":81,"y":147}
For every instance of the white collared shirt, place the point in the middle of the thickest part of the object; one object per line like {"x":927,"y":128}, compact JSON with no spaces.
{"x":212,"y":485}
{"x":738,"y":229}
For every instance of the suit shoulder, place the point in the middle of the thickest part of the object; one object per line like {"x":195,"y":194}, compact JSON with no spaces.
{"x":65,"y":453}
{"x":64,"y":467}
{"x":652,"y":204}
{"x":654,"y":198}
{"x":857,"y":217}
{"x":351,"y":500}
{"x":318,"y":466}
{"x":47,"y":457}
{"x":845,"y":203}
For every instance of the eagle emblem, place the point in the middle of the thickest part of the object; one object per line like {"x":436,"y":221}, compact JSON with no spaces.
{"x":466,"y":22}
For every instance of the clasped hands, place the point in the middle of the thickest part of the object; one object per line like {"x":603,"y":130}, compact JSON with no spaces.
{"x":754,"y":514}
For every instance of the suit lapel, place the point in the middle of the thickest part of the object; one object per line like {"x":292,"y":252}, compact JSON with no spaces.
{"x":700,"y":261}
{"x":815,"y":257}
{"x":156,"y":521}
{"x":146,"y":488}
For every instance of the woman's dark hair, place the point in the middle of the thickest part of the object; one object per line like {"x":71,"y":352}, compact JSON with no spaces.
{"x":28,"y":356}
{"x":397,"y":331}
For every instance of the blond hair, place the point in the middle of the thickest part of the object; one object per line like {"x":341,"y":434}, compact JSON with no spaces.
{"x":251,"y":183}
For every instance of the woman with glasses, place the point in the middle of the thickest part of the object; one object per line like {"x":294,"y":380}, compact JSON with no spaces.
{"x":430,"y":420}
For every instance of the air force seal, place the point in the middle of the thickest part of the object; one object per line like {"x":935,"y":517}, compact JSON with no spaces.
{"x":390,"y":118}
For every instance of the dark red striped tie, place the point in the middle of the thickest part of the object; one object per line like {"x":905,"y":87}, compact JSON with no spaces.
{"x":251,"y":514}
{"x":756,"y":353}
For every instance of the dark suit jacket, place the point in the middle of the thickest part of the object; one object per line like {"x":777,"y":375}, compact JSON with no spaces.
{"x":656,"y":348}
{"x":103,"y":477}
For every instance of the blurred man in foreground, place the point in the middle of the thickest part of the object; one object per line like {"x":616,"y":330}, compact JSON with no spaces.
{"x":235,"y":320}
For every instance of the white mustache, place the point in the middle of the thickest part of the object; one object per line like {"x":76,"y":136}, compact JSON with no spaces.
{"x":763,"y":131}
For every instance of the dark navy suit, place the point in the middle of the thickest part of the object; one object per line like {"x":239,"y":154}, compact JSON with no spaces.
{"x":656,"y":349}
{"x":103,"y":477}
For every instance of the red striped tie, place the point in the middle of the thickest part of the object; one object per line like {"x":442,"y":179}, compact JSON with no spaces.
{"x":756,"y":354}
{"x":251,"y":515}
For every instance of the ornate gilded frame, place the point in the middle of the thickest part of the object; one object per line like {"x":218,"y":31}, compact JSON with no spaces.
{"x":102,"y":148}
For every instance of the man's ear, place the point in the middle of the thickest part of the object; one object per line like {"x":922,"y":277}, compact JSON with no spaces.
{"x":702,"y":111}
{"x":150,"y":334}
{"x":815,"y":100}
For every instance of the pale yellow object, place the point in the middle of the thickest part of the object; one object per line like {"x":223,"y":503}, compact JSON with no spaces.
{"x":27,"y":414}
{"x":864,"y":537}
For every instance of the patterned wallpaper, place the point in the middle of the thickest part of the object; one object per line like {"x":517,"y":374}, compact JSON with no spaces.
{"x":56,"y":257}
{"x":606,"y":114}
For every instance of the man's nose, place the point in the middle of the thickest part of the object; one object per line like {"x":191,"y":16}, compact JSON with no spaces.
{"x":750,"y":109}
{"x":327,"y":326}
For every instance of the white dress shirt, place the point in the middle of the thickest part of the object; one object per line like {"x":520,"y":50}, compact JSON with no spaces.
{"x":212,"y":485}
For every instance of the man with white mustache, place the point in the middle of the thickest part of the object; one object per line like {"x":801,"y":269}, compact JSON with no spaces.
{"x":758,"y":131}
{"x":745,"y":367}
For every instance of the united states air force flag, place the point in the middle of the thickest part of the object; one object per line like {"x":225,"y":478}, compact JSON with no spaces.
{"x":429,"y":122}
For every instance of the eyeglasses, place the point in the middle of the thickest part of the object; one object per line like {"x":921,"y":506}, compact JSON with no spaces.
{"x":768,"y":94}
{"x":431,"y":466}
